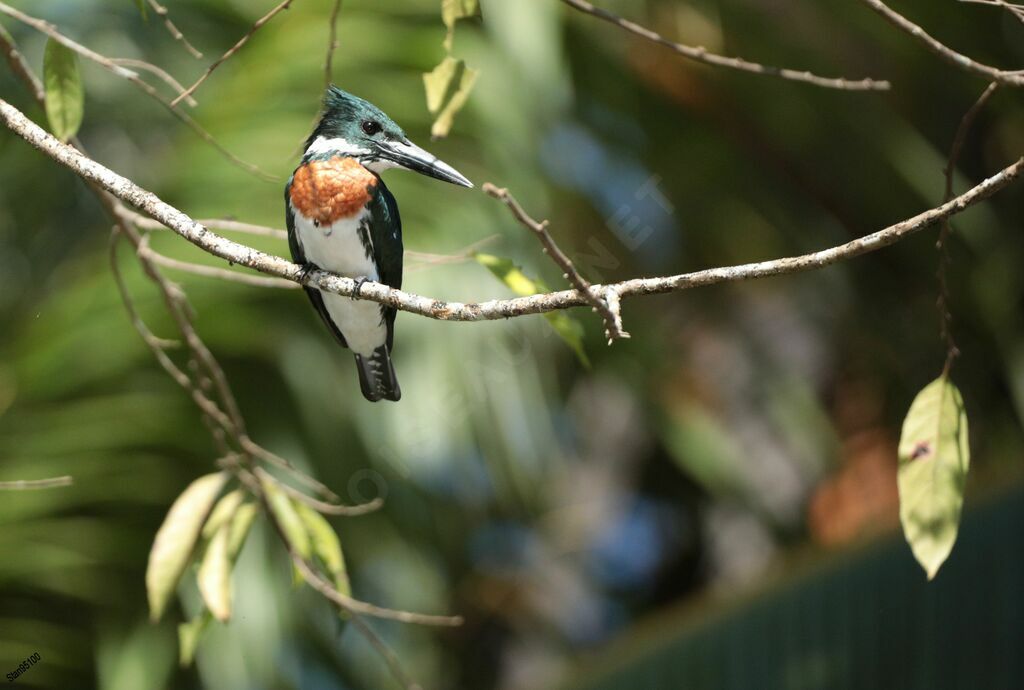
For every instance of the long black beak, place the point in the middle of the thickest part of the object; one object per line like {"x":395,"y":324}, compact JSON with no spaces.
{"x":408,"y":155}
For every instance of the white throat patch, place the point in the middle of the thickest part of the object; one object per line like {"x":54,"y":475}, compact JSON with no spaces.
{"x":337,"y":145}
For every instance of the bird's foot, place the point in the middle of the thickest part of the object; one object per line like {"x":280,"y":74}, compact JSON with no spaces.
{"x":359,"y":286}
{"x":307,"y":268}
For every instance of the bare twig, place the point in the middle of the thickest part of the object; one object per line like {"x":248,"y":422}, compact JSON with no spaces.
{"x":20,"y":67}
{"x":945,"y":315}
{"x":214,"y":271}
{"x":701,"y":54}
{"x":612,"y":317}
{"x":321,"y":506}
{"x":50,"y":30}
{"x":32,"y":484}
{"x":160,"y":73}
{"x":1014,"y":9}
{"x":176,"y":34}
{"x":1007,"y":78}
{"x":332,"y":44}
{"x":214,"y":244}
{"x":233,"y":49}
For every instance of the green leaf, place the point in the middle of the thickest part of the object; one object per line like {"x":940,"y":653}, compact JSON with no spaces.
{"x":933,"y":461}
{"x":448,"y":87}
{"x":189,"y":635}
{"x":326,"y":546}
{"x":240,"y":526}
{"x":568,"y":328}
{"x":65,"y":97}
{"x":143,"y":10}
{"x":287,"y":517}
{"x":215,"y":575}
{"x":176,"y":539}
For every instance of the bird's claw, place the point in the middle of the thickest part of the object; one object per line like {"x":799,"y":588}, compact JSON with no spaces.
{"x":307,"y":268}
{"x":359,"y":286}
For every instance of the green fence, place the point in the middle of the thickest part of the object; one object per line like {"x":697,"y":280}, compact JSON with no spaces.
{"x":867,"y":620}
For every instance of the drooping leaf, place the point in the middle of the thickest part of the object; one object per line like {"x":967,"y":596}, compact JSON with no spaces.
{"x":176,"y":539}
{"x":189,"y":635}
{"x":65,"y":96}
{"x":448,"y":87}
{"x":933,"y":461}
{"x":454,"y":10}
{"x":222,"y":512}
{"x":287,"y":517}
{"x":568,"y":328}
{"x":215,"y":575}
{"x":326,"y":546}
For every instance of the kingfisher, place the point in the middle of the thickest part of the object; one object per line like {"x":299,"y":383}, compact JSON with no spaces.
{"x":342,"y":218}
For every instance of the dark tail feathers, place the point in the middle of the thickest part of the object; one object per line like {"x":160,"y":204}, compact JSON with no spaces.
{"x":377,"y":376}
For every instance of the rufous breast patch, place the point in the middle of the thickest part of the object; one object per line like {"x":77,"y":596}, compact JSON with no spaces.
{"x":328,"y":190}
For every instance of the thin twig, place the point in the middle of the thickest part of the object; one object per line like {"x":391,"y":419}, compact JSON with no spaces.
{"x":1014,"y":9}
{"x":32,"y":484}
{"x":231,"y":251}
{"x":942,"y":303}
{"x":321,"y":506}
{"x":1007,"y":78}
{"x":160,"y":73}
{"x":161,"y":11}
{"x":20,"y":67}
{"x":216,"y":272}
{"x":701,"y":54}
{"x":234,"y":49}
{"x":50,"y":30}
{"x":332,"y":44}
{"x":612,"y":319}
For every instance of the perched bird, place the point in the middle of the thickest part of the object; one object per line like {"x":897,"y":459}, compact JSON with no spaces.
{"x":342,"y":218}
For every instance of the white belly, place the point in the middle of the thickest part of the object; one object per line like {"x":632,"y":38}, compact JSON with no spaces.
{"x":338,"y":248}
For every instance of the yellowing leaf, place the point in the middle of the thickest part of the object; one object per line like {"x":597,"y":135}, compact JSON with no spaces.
{"x":240,"y":525}
{"x":291,"y":524}
{"x":451,"y":12}
{"x":189,"y":635}
{"x":326,"y":546}
{"x":448,"y":87}
{"x":176,"y":539}
{"x":568,"y":328}
{"x":222,"y":512}
{"x":215,"y":575}
{"x":933,"y":461}
{"x":65,"y":97}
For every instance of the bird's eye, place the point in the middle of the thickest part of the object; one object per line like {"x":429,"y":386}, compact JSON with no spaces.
{"x":370,"y":127}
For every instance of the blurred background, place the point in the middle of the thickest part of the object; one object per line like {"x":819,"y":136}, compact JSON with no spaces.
{"x":710,"y":504}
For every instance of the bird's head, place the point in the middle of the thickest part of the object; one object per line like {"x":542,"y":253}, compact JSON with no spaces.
{"x":356,"y":128}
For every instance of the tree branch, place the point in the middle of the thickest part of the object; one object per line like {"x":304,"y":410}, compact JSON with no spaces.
{"x":176,"y":34}
{"x":1007,"y":78}
{"x":701,"y":54}
{"x":219,"y":246}
{"x":233,"y":49}
{"x":612,"y":317}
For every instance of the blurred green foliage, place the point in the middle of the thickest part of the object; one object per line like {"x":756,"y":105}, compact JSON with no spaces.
{"x":549,"y":504}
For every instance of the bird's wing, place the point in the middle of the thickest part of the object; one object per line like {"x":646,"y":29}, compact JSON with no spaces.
{"x":299,"y":257}
{"x":386,"y":235}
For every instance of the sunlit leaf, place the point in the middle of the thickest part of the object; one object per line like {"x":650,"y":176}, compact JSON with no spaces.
{"x":933,"y":461}
{"x":222,"y":512}
{"x":568,"y":328}
{"x":241,"y":523}
{"x":448,"y":87}
{"x":326,"y":546}
{"x":65,"y":96}
{"x":215,"y":575}
{"x":176,"y":539}
{"x":189,"y":635}
{"x":454,"y":10}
